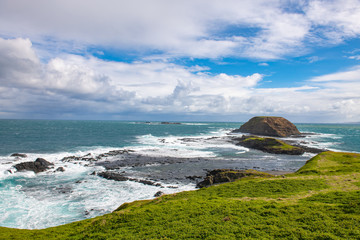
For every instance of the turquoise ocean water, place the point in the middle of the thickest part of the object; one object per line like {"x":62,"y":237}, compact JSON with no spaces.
{"x":51,"y":198}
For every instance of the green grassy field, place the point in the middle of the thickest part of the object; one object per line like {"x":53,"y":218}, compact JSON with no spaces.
{"x":320,"y":201}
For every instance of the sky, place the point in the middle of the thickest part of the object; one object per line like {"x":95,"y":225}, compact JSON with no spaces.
{"x":180,"y":60}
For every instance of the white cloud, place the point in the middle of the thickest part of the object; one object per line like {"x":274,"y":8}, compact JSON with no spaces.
{"x":259,"y":29}
{"x":83,"y":82}
{"x":348,"y":75}
{"x":73,"y":86}
{"x":355,"y":57}
{"x":337,"y":20}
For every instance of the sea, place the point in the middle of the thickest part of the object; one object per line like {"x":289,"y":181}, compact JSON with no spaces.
{"x":174,"y":157}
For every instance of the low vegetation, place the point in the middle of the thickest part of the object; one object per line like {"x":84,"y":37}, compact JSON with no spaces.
{"x":270,"y":145}
{"x":320,"y":201}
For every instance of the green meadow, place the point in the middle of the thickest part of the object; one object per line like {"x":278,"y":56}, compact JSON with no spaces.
{"x":320,"y":201}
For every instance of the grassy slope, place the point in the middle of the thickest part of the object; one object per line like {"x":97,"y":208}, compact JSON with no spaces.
{"x":320,"y":201}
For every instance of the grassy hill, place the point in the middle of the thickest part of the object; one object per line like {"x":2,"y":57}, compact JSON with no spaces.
{"x":320,"y":201}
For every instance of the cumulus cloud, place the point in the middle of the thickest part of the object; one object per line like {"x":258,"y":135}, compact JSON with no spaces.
{"x":260,"y":29}
{"x":89,"y":84}
{"x":71,"y":86}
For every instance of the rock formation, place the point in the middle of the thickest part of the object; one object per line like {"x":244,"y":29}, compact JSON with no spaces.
{"x":21,"y":155}
{"x":270,"y":145}
{"x":228,"y":175}
{"x":269,"y":126}
{"x":120,"y":177}
{"x":39,"y":165}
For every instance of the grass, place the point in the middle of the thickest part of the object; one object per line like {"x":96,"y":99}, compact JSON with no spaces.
{"x":332,"y":163}
{"x":268,"y":144}
{"x":320,"y":201}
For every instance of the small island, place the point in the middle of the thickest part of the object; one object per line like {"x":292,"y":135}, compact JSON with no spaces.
{"x":275,"y":127}
{"x":269,"y":126}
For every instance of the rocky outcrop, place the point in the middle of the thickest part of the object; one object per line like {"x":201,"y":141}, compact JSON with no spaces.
{"x":227,"y":175}
{"x":113,"y":176}
{"x":39,"y":165}
{"x":270,"y":145}
{"x":269,"y":126}
{"x":120,"y":177}
{"x":21,"y":155}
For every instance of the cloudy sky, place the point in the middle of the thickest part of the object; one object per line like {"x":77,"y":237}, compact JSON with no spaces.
{"x":180,"y":60}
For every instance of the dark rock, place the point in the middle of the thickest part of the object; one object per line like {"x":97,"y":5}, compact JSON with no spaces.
{"x":228,"y":175}
{"x":159,"y":194}
{"x":193,"y":177}
{"x":311,"y":149}
{"x":22,"y":155}
{"x":39,"y":165}
{"x":306,"y":148}
{"x":170,"y":123}
{"x":60,"y":169}
{"x":269,"y":126}
{"x":120,"y":177}
{"x":70,"y":158}
{"x":146,"y":182}
{"x":270,"y":145}
{"x":93,"y":173}
{"x":113,"y":176}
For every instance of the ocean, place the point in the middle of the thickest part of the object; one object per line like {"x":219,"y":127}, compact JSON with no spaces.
{"x":172,"y":156}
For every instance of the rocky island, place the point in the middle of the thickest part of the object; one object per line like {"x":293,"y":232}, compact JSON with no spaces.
{"x":269,"y":126}
{"x":275,"y":127}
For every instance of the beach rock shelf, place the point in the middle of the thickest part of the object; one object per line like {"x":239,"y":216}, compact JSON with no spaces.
{"x":269,"y":126}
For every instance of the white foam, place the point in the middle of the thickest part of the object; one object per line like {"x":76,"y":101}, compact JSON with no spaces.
{"x":60,"y":200}
{"x":205,"y":145}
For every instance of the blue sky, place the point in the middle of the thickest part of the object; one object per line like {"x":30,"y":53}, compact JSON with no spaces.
{"x":180,"y":60}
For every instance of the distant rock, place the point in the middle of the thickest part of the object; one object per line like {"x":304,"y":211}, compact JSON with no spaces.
{"x":22,"y":155}
{"x":170,"y":123}
{"x":228,"y":175}
{"x":39,"y":165}
{"x":269,"y":126}
{"x":270,"y":145}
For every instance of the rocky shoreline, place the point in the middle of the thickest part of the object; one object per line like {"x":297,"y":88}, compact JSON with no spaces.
{"x":129,"y":165}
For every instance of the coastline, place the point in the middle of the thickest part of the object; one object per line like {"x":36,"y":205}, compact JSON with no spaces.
{"x":175,"y":161}
{"x":311,"y":204}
